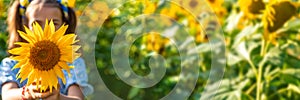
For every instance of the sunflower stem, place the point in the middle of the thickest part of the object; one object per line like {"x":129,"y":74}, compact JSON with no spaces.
{"x":253,"y":67}
{"x":262,"y":50}
{"x":264,"y":47}
{"x":258,"y":83}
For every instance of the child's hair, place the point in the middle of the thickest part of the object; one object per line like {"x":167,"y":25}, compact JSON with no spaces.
{"x":16,"y":21}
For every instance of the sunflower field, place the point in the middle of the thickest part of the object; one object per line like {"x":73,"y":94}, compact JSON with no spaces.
{"x":188,"y":49}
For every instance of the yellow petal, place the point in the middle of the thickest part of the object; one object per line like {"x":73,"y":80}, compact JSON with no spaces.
{"x":31,"y":77}
{"x":18,"y":58}
{"x":76,"y":47}
{"x":24,"y":72}
{"x":59,"y":33}
{"x":19,"y":64}
{"x":29,"y":32}
{"x":45,"y":81}
{"x":38,"y":31}
{"x":68,"y":50}
{"x":26,"y":37}
{"x":47,"y":29}
{"x":52,"y":27}
{"x":53,"y":80}
{"x":70,"y":57}
{"x":60,"y":74}
{"x":64,"y":66}
{"x":19,"y":51}
{"x":22,"y":44}
{"x":66,"y":40}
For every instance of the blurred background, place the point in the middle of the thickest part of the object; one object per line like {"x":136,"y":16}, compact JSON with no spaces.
{"x":260,"y":38}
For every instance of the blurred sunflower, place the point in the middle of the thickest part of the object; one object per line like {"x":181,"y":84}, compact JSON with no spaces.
{"x":97,"y":13}
{"x":215,"y":3}
{"x":1,"y":8}
{"x":298,"y":37}
{"x":171,"y":11}
{"x":78,"y":13}
{"x":155,"y":42}
{"x":277,"y":13}
{"x":251,"y":8}
{"x":193,"y":6}
{"x":45,"y":55}
{"x":196,"y":30}
{"x":71,"y":3}
{"x":219,"y":10}
{"x":150,"y":7}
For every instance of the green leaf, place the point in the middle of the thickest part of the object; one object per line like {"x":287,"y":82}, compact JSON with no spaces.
{"x":247,"y":31}
{"x":291,"y":71}
{"x":291,"y":25}
{"x":133,"y":92}
{"x":294,"y":88}
{"x":233,"y":59}
{"x":274,"y":56}
{"x":242,"y":51}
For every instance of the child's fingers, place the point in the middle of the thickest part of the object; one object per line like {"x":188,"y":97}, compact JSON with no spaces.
{"x":31,"y":91}
{"x":43,"y":95}
{"x":27,"y":95}
{"x":31,"y":94}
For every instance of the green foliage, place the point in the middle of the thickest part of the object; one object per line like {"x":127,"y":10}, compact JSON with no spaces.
{"x":3,"y":27}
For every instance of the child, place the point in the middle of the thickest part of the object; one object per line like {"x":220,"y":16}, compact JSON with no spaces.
{"x":26,"y":12}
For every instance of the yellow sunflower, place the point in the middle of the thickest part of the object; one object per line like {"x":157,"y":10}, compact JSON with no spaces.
{"x":251,"y":8}
{"x":171,"y":11}
{"x":155,"y":42}
{"x":276,"y":15}
{"x":44,"y":55}
{"x":150,"y":7}
{"x":218,"y":9}
{"x":96,"y":13}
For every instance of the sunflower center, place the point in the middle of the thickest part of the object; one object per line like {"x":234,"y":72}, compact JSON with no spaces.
{"x":211,"y":1}
{"x":44,"y":55}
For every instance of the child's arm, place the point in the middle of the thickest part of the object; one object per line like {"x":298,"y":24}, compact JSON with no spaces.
{"x":74,"y":93}
{"x":10,"y":91}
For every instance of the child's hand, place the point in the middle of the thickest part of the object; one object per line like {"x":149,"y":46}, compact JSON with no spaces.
{"x":55,"y":95}
{"x":32,"y":92}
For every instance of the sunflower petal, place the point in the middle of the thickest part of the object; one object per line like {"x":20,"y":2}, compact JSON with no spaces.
{"x":59,"y":73}
{"x":66,"y":40}
{"x":46,"y":29}
{"x":52,"y":27}
{"x":54,"y":80}
{"x":38,"y":31}
{"x":20,"y":64}
{"x":31,"y":77}
{"x":59,"y":33}
{"x":18,"y":58}
{"x":64,"y":66}
{"x":22,"y":44}
{"x":18,"y":51}
{"x":76,"y":47}
{"x":45,"y":81}
{"x":30,"y":33}
{"x":24,"y":72}
{"x":26,"y":37}
{"x":69,"y":50}
{"x":67,"y":58}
